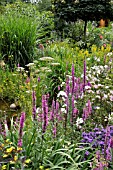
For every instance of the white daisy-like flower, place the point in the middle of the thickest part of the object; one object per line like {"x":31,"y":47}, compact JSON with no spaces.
{"x":98,"y":60}
{"x":105,"y":96}
{"x":106,"y":66}
{"x":20,"y":69}
{"x":28,"y":91}
{"x":35,"y":61}
{"x":55,"y":64}
{"x":79,"y":121}
{"x":107,"y":87}
{"x":44,"y":68}
{"x":30,"y":64}
{"x":87,"y":87}
{"x":88,"y":59}
{"x":97,"y":107}
{"x":38,"y":110}
{"x":63,"y":110}
{"x":109,"y":54}
{"x":46,"y":59}
{"x":62,"y":93}
{"x":48,"y":71}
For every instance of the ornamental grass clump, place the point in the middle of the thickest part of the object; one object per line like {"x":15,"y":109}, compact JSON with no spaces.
{"x":18,"y":38}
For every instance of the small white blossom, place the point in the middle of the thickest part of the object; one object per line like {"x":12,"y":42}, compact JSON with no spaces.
{"x":62,"y":93}
{"x":55,"y":64}
{"x":20,"y":69}
{"x":79,"y":121}
{"x":30,"y":64}
{"x":46,"y":59}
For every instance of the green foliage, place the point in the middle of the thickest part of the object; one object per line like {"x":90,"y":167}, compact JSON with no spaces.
{"x":45,"y":27}
{"x":18,"y":38}
{"x":44,"y":5}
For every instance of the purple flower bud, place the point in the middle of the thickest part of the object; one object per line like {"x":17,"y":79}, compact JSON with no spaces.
{"x":38,"y":79}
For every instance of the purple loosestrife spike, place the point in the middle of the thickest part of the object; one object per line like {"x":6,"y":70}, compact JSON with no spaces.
{"x":111,"y":142}
{"x":75,"y":112}
{"x":66,"y":114}
{"x":52,"y":111}
{"x":84,"y":78}
{"x":67,"y":86}
{"x":73,"y":78}
{"x":72,"y":115}
{"x":58,"y":88}
{"x":57,"y":108}
{"x":20,"y":142}
{"x":38,"y":79}
{"x":107,"y":136}
{"x":34,"y":105}
{"x":85,"y":114}
{"x":22,"y":120}
{"x":45,"y":113}
{"x":54,"y":131}
{"x":98,"y":155}
{"x":89,"y":107}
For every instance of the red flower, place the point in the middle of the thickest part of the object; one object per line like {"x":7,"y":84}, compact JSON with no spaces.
{"x":104,"y":45}
{"x":41,"y":47}
{"x":101,"y":37}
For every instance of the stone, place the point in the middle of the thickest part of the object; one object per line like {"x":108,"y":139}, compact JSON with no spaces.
{"x":13,"y":106}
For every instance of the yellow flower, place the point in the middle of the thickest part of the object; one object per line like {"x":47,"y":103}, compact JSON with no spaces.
{"x":102,"y":48}
{"x":7,"y":140}
{"x":2,"y":145}
{"x":12,"y":162}
{"x":41,"y":167}
{"x":5,"y":156}
{"x":19,"y":148}
{"x":15,"y":158}
{"x":9,"y":150}
{"x":3,"y":167}
{"x":94,"y":48}
{"x":27,"y":161}
{"x":86,"y":52}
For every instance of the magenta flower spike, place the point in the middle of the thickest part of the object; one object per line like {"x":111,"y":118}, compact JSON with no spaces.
{"x":38,"y":79}
{"x":73,"y":78}
{"x":22,"y":120}
{"x":52,"y":111}
{"x":34,"y":105}
{"x":45,"y":113}
{"x":67,"y":86}
{"x":84,"y":78}
{"x":89,"y":107}
{"x":72,"y":115}
{"x":111,"y":142}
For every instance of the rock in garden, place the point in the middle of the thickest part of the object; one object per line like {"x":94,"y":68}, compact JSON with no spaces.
{"x":13,"y":106}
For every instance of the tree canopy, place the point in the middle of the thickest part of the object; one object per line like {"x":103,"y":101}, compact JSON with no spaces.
{"x":71,"y":10}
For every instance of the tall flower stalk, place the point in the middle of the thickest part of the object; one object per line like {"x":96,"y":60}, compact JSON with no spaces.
{"x":45,"y":113}
{"x":22,"y":120}
{"x":84,"y":78}
{"x":34,"y":105}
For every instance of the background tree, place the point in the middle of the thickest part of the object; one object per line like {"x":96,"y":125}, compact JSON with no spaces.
{"x":93,"y":10}
{"x":87,"y":10}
